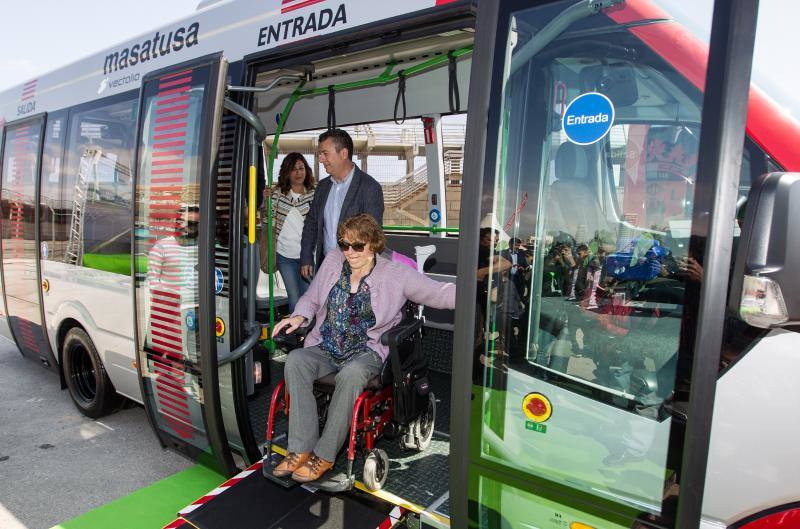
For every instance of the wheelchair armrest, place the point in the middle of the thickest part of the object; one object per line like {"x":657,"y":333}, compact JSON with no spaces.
{"x":289,"y":342}
{"x":394,"y":336}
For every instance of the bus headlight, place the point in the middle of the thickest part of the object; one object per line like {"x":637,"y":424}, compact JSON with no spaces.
{"x":762,"y":303}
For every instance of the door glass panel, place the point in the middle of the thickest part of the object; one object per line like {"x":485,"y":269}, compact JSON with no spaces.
{"x":166,"y":252}
{"x":20,"y":166}
{"x":583,"y":263}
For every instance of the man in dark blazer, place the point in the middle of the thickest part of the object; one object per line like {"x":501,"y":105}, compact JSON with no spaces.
{"x":347,"y":192}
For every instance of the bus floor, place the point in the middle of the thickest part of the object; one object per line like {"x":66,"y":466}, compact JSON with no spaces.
{"x":417,"y":480}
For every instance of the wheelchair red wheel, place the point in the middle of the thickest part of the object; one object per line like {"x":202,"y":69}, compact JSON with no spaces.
{"x":376,"y":469}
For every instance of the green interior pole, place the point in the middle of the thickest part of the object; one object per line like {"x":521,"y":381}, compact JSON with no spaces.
{"x":273,"y":153}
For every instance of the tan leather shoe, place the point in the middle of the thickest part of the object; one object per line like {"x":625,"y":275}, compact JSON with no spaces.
{"x":290,"y":463}
{"x":312,"y":470}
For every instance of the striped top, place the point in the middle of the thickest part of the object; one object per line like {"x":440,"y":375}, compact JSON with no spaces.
{"x":283,"y":204}
{"x":173,"y":267}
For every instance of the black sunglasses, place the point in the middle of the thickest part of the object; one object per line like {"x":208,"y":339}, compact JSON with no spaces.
{"x":356,"y":246}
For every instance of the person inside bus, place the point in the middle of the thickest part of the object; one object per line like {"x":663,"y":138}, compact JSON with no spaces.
{"x":355,"y":297}
{"x":291,"y":201}
{"x":348,"y":192}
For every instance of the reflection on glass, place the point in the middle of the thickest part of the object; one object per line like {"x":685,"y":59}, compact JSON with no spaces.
{"x":166,"y":248}
{"x":584,"y":263}
{"x":94,"y":212}
{"x":20,"y":163}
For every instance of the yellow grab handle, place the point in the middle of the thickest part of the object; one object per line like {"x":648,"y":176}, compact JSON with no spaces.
{"x":251,"y":210}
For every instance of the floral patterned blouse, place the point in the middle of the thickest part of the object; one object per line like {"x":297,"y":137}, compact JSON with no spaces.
{"x":344,"y":331}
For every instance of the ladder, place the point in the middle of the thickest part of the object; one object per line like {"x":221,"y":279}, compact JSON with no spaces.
{"x":74,"y":254}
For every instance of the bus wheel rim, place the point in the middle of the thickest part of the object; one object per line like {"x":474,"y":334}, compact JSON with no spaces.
{"x":82,"y":373}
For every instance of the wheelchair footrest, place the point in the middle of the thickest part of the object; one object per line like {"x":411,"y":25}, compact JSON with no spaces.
{"x":269,"y":464}
{"x":334,"y":483}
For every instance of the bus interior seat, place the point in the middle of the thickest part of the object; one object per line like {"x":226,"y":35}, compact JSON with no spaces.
{"x":574,"y":207}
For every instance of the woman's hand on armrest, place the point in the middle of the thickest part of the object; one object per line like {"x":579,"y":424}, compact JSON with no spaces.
{"x":291,"y":324}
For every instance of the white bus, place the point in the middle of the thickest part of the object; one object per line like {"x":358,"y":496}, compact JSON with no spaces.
{"x":619,"y":218}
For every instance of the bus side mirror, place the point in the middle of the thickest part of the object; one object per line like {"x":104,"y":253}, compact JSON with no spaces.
{"x":765,"y":286}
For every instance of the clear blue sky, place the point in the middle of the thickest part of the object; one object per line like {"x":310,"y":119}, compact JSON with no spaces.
{"x":37,"y":36}
{"x":67,"y":30}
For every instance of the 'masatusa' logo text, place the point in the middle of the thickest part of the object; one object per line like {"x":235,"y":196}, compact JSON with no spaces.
{"x":151,"y":49}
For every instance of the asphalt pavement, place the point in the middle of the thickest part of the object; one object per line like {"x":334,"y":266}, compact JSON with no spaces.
{"x":55,"y":463}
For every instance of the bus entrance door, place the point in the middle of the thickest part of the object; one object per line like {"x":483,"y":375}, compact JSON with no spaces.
{"x":174,"y":282}
{"x":584,"y":363}
{"x":21,"y":160}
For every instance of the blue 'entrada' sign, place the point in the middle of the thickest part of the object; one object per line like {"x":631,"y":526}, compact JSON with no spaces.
{"x":588,"y":118}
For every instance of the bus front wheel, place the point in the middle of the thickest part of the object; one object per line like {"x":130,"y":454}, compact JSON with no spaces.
{"x":88,"y":383}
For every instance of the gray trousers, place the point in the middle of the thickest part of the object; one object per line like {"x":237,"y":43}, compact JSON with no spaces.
{"x":303,"y":367}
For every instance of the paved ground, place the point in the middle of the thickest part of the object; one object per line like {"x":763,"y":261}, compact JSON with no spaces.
{"x":54,"y":462}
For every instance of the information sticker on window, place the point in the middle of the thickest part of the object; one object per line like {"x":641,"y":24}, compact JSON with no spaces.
{"x":588,"y":118}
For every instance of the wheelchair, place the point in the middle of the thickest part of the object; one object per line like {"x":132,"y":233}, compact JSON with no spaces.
{"x":396,"y":403}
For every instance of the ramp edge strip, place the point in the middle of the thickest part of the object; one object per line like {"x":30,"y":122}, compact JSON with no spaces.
{"x":394,"y":516}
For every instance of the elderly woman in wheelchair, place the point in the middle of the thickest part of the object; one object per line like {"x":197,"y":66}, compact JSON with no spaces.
{"x":356,"y":296}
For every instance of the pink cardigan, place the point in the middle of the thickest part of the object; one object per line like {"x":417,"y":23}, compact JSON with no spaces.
{"x":390,"y":283}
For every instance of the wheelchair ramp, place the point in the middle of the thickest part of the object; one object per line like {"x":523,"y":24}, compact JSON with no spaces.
{"x":250,"y":501}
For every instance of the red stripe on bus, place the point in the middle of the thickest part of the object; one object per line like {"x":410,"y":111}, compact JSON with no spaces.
{"x":178,"y":143}
{"x":156,"y":224}
{"x":167,"y":170}
{"x":171,"y":100}
{"x":167,"y":376}
{"x":166,"y":302}
{"x":182,"y":399}
{"x":175,"y":82}
{"x":174,"y":409}
{"x":165,"y":320}
{"x":167,"y":294}
{"x":172,"y":206}
{"x":179,"y":152}
{"x":176,"y":349}
{"x":168,"y":354}
{"x":173,"y":75}
{"x":169,"y":368}
{"x":168,"y":180}
{"x":174,"y":365}
{"x":164,"y":396}
{"x":162,"y":310}
{"x":172,"y":389}
{"x":157,"y":325}
{"x":171,"y":386}
{"x":159,"y":189}
{"x":300,"y":5}
{"x":173,"y":108}
{"x":168,"y":135}
{"x":172,"y":215}
{"x":171,"y":126}
{"x":183,"y":434}
{"x":162,"y":119}
{"x":171,"y":91}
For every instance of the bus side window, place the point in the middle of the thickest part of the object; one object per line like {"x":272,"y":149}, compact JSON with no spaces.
{"x":100,"y":145}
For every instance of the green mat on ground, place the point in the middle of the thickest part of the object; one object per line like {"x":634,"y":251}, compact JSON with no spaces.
{"x":151,"y":507}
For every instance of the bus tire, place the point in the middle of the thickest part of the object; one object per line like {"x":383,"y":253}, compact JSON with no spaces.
{"x":87,"y":381}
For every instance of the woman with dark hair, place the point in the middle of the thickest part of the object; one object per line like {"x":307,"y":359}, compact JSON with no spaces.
{"x":291,"y":200}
